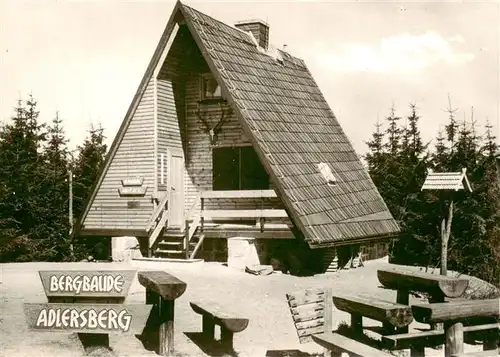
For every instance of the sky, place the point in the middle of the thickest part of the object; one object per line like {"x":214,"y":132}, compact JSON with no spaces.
{"x":85,"y":59}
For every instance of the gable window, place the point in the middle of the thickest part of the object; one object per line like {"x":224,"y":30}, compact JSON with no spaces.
{"x":238,"y":168}
{"x":210,"y":89}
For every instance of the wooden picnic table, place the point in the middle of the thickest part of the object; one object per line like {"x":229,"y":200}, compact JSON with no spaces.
{"x":437,"y":286}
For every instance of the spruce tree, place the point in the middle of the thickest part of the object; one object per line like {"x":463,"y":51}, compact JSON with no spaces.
{"x":490,"y":146}
{"x":376,"y":156}
{"x":87,"y":168}
{"x":21,"y":179}
{"x":56,"y":229}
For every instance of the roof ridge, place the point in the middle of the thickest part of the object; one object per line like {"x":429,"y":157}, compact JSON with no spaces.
{"x":250,"y":37}
{"x":218,"y":21}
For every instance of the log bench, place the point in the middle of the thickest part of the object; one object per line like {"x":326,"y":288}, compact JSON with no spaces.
{"x":417,"y":341}
{"x":394,"y":317}
{"x":215,"y":314}
{"x":161,"y":291}
{"x":490,"y":353}
{"x":338,"y":344}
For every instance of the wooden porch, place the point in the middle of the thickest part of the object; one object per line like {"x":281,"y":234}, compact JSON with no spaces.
{"x":204,"y":220}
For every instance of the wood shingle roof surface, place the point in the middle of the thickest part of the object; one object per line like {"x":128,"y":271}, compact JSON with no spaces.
{"x":294,"y":130}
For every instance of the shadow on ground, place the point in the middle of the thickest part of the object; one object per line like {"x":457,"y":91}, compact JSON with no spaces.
{"x":209,"y":346}
{"x":96,"y":345}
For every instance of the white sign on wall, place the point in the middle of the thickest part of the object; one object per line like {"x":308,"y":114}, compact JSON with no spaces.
{"x":132,"y":186}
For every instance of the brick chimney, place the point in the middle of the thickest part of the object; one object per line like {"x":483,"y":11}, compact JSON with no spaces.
{"x":258,"y":28}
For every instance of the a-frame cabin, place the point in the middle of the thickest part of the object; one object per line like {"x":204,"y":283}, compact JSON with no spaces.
{"x":226,"y":137}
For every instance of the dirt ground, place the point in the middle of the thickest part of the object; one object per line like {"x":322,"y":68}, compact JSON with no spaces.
{"x":261,"y":298}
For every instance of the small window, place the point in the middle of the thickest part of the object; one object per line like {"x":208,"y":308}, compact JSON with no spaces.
{"x":326,"y":171}
{"x":210,"y":89}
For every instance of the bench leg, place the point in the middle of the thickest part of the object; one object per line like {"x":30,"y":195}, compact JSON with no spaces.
{"x":357,"y":323}
{"x":388,"y":328}
{"x":226,"y":339}
{"x":403,"y":297}
{"x":454,"y":339}
{"x":417,"y":351}
{"x":439,"y":326}
{"x":208,"y":327}
{"x":490,"y":343}
{"x":166,"y":332}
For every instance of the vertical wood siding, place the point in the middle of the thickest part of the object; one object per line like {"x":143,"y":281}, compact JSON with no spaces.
{"x":169,"y":135}
{"x":134,"y":158}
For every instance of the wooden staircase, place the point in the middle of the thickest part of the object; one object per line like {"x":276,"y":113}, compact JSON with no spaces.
{"x":172,"y":245}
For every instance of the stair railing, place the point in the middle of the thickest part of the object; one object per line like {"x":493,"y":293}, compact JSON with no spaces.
{"x":160,"y":212}
{"x":191,"y":228}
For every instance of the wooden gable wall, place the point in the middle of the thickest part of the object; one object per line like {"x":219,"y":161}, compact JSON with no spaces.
{"x":134,"y":158}
{"x":172,"y":97}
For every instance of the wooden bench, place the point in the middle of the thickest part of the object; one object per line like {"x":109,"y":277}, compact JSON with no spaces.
{"x":338,"y":344}
{"x":392,"y":315}
{"x":161,"y":290}
{"x":215,"y":314}
{"x":490,"y":353}
{"x":417,"y":341}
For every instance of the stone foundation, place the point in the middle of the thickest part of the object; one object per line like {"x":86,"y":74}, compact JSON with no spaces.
{"x":124,"y":249}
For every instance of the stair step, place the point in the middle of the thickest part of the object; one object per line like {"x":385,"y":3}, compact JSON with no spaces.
{"x":170,"y":243}
{"x":173,"y":234}
{"x":168,"y":251}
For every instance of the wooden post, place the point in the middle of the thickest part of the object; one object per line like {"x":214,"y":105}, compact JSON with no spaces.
{"x":226,"y":339}
{"x":328,"y":318}
{"x":208,"y":327}
{"x":152,"y":298}
{"x":491,"y":341}
{"x":70,"y":181}
{"x":357,"y":323}
{"x":454,"y":339}
{"x":403,"y":297}
{"x":445,"y":236}
{"x":186,"y":238}
{"x":444,"y":242}
{"x":166,"y":332}
{"x":417,"y":351}
{"x":202,"y":219}
{"x":162,"y":289}
{"x":438,"y":326}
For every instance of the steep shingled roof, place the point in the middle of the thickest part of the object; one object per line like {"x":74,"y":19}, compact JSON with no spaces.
{"x":294,"y":130}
